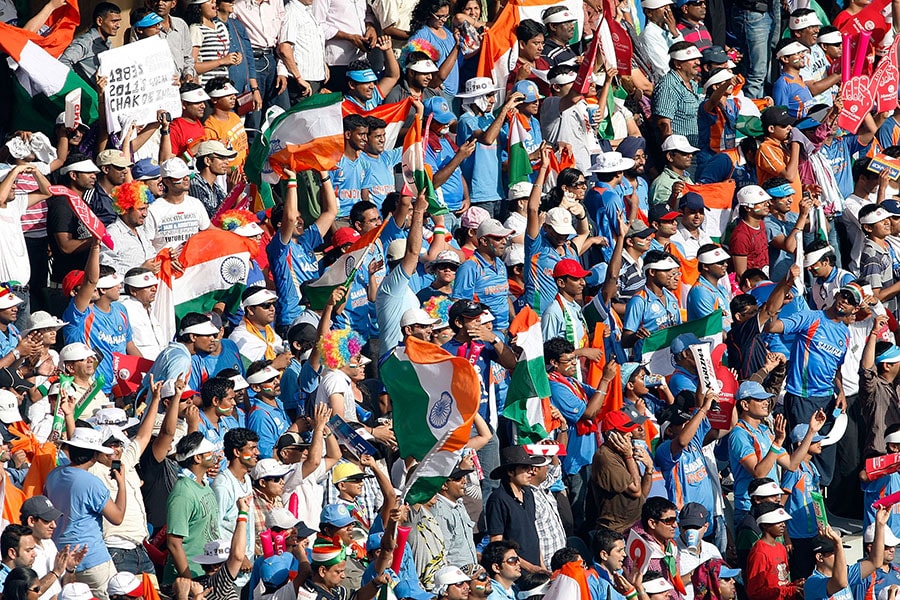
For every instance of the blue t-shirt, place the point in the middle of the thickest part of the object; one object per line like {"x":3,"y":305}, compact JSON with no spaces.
{"x":625,"y":189}
{"x":817,"y":353}
{"x":394,"y":298}
{"x":106,"y":332}
{"x":792,"y":93}
{"x":603,"y":204}
{"x":580,"y":448}
{"x":601,"y":588}
{"x":705,"y":298}
{"x":444,"y":46}
{"x":347,"y":179}
{"x":206,"y":365}
{"x":291,"y":265}
{"x":478,"y":279}
{"x":743,"y":441}
{"x":839,"y":153}
{"x":451,"y":191}
{"x":8,"y":340}
{"x":645,"y":309}
{"x":540,"y":286}
{"x":686,"y":476}
{"x":269,"y":422}
{"x":81,"y":497}
{"x":779,"y":261}
{"x":380,"y":179}
{"x":816,"y":586}
{"x":482,"y":169}
{"x":799,"y":505}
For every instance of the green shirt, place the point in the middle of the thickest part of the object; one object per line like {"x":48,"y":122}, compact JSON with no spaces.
{"x":192,"y":514}
{"x":661,"y":188}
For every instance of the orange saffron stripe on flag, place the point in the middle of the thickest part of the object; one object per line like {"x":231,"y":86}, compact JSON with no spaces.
{"x":321,"y":154}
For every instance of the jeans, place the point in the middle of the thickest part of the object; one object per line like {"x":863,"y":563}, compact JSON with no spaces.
{"x":719,"y":535}
{"x":577,"y":484}
{"x":266,"y":79}
{"x":489,"y":457}
{"x":134,"y":561}
{"x":753,"y":31}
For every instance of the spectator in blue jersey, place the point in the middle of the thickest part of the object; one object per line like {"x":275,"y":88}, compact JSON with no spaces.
{"x":266,"y":417}
{"x":223,"y":355}
{"x":606,"y":580}
{"x":429,"y":25}
{"x":364,"y":89}
{"x":563,"y":318}
{"x":291,"y":252}
{"x":654,"y":307}
{"x":684,"y":378}
{"x":833,"y":578}
{"x":96,"y":318}
{"x":196,"y":336}
{"x":789,"y":90}
{"x":380,"y":179}
{"x":798,"y":485}
{"x":813,"y":382}
{"x":711,"y":292}
{"x":782,"y":225}
{"x":13,"y":348}
{"x":754,"y":449}
{"x":480,"y":122}
{"x":604,"y":202}
{"x":348,"y":175}
{"x":820,"y":260}
{"x":483,"y":277}
{"x":217,"y":405}
{"x":445,"y":157}
{"x":528,"y":110}
{"x":553,"y":240}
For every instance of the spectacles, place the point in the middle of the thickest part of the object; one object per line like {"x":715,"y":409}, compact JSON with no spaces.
{"x":266,"y":306}
{"x":579,"y":184}
{"x":669,"y":520}
{"x":460,"y":584}
{"x":512,"y":560}
{"x":275,"y":479}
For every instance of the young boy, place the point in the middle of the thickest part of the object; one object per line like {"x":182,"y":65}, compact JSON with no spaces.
{"x":798,"y":484}
{"x":767,"y":574}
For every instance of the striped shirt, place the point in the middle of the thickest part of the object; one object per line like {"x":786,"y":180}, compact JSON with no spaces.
{"x":679,"y":102}
{"x":213,"y":44}
{"x":697,"y":34}
{"x":307,"y":39}
{"x":34,"y":219}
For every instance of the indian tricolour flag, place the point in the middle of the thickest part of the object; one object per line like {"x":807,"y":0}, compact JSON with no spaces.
{"x":528,"y":396}
{"x":342,"y":271}
{"x":416,"y":173}
{"x":519,"y":163}
{"x":438,"y":395}
{"x":718,"y":199}
{"x":309,"y":136}
{"x":394,"y":114}
{"x":216,"y":264}
{"x":655,"y":350}
{"x":569,"y":583}
{"x":499,"y":47}
{"x":41,"y":83}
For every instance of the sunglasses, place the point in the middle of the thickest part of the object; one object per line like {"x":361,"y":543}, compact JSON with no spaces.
{"x":267,"y":305}
{"x":512,"y":560}
{"x":669,"y":521}
{"x":36,"y":589}
{"x":274,"y":479}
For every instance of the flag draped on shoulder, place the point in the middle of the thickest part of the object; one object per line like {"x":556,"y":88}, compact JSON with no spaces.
{"x":216,"y":264}
{"x":438,"y":395}
{"x":342,"y":271}
{"x":416,"y":173}
{"x":42,"y":82}
{"x":528,"y":396}
{"x":309,"y":136}
{"x":569,"y":583}
{"x":519,"y":163}
{"x":394,"y":114}
{"x":718,"y":198}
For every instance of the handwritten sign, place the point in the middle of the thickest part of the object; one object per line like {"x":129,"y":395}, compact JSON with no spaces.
{"x":139,"y":83}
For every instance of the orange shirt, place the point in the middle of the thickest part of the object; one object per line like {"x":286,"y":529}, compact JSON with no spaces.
{"x":771,"y":160}
{"x":231,"y":133}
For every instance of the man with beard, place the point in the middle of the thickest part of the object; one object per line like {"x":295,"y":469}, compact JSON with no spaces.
{"x":633,"y":182}
{"x":115,"y":169}
{"x":266,"y":416}
{"x":213,"y":160}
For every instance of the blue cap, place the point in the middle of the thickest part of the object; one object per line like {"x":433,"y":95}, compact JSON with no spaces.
{"x":780,"y":191}
{"x":146,"y":168}
{"x":440,"y":110}
{"x":628,"y":370}
{"x":336,"y":515}
{"x":714,"y":55}
{"x":891,"y":355}
{"x":752,"y":389}
{"x":362,"y":76}
{"x":149,"y":20}
{"x":892,"y":206}
{"x":276,"y":569}
{"x":691,"y":201}
{"x":529,"y":89}
{"x":374,"y":541}
{"x":681,"y":343}
{"x":726,"y":572}
{"x":799,"y":432}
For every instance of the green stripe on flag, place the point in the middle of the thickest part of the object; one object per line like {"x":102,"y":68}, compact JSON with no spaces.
{"x":707,"y":326}
{"x":410,"y":399}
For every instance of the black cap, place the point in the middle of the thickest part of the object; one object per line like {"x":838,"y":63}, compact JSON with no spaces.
{"x":662,"y":212}
{"x":302,"y":332}
{"x":693,"y":516}
{"x":714,"y":55}
{"x":776,"y":115}
{"x":459,"y":472}
{"x":823,"y":545}
{"x":9,"y":379}
{"x":513,"y":456}
{"x":40,"y":507}
{"x":465,"y":309}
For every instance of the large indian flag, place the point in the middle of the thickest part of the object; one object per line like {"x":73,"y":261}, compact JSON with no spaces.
{"x":42,"y":82}
{"x":60,"y":29}
{"x":394,"y":114}
{"x":656,"y":352}
{"x":341,"y":271}
{"x":718,"y":199}
{"x":216,"y":264}
{"x":309,"y":136}
{"x":416,"y":173}
{"x":528,"y":396}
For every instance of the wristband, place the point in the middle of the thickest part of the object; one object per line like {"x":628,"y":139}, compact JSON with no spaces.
{"x":292,"y":180}
{"x":254,"y":89}
{"x":16,"y":354}
{"x":163,"y":132}
{"x":632,"y":594}
{"x":69,"y":570}
{"x":243,"y":513}
{"x":242,"y":520}
{"x":778,"y":450}
{"x":326,"y":178}
{"x":292,"y":186}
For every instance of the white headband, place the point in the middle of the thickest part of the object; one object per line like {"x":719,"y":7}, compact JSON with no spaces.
{"x":894,"y":438}
{"x":82,"y":166}
{"x":832,"y":37}
{"x":108,"y":281}
{"x":564,"y":78}
{"x":804,"y":21}
{"x":716,"y":255}
{"x":141,"y":280}
{"x":263,"y":375}
{"x":721,"y":76}
{"x":815,"y":256}
{"x":666,"y":264}
{"x":876,"y":216}
{"x":792,"y":48}
{"x":686,"y":54}
{"x":195,"y":96}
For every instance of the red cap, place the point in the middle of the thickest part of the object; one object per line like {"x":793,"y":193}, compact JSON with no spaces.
{"x":344,"y":235}
{"x":569,"y":267}
{"x":619,"y":421}
{"x":72,"y":280}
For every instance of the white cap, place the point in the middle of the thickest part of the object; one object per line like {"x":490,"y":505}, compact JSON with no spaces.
{"x":493,"y":228}
{"x":202,"y":448}
{"x":717,"y":78}
{"x":263,"y":375}
{"x":8,"y":299}
{"x":239,"y":383}
{"x":112,"y":415}
{"x":42,"y":320}
{"x":792,"y":48}
{"x":678,"y":143}
{"x":194,"y":96}
{"x":75,"y":351}
{"x":417,"y":316}
{"x":202,"y":328}
{"x":76,"y":591}
{"x":395,"y":250}
{"x":108,"y":282}
{"x":666,"y":264}
{"x":174,"y":168}
{"x":564,"y":78}
{"x":893,"y":438}
{"x":423,"y":66}
{"x":214,"y":552}
{"x":269,"y":467}
{"x":281,"y":518}
{"x":751,"y":195}
{"x":124,"y":583}
{"x":889,"y":538}
{"x":563,"y":16}
{"x":611,"y":162}
{"x":560,"y":220}
{"x":260,"y":297}
{"x":214,"y":147}
{"x":248,"y":230}
{"x":772,"y":517}
{"x":226,"y":90}
{"x":82,"y":166}
{"x":711,"y":257}
{"x":767,"y":490}
{"x":477,"y":86}
{"x":108,"y":432}
{"x":89,"y":439}
{"x":142,"y":280}
{"x":689,"y":53}
{"x":514,"y":255}
{"x":9,"y":407}
{"x":651,"y":4}
{"x":657,"y":586}
{"x":447,"y":576}
{"x":804,"y":21}
{"x":876,"y":216}
{"x":520,"y":190}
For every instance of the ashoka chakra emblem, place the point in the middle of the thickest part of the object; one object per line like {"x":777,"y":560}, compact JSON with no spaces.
{"x":233,"y":270}
{"x":440,"y":411}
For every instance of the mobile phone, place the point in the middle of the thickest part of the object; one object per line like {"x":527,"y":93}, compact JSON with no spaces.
{"x":472,"y":138}
{"x":168,"y":116}
{"x":115,"y":466}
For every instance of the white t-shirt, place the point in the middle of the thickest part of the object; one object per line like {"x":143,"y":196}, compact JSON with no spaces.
{"x":337,"y":382}
{"x":571,"y":126}
{"x":14,"y":265}
{"x":171,"y":225}
{"x":133,"y":530}
{"x":251,"y":346}
{"x":44,"y":559}
{"x":148,"y":335}
{"x":310,"y":492}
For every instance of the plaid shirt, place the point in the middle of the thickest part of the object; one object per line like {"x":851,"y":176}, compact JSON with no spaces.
{"x":367,"y":503}
{"x":678,"y":101}
{"x":549,"y":526}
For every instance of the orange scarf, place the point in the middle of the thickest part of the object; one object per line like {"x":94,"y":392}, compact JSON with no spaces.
{"x":267,"y":335}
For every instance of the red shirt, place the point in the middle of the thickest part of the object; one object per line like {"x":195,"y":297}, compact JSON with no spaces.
{"x":767,"y":574}
{"x":752,"y":243}
{"x":184,"y":135}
